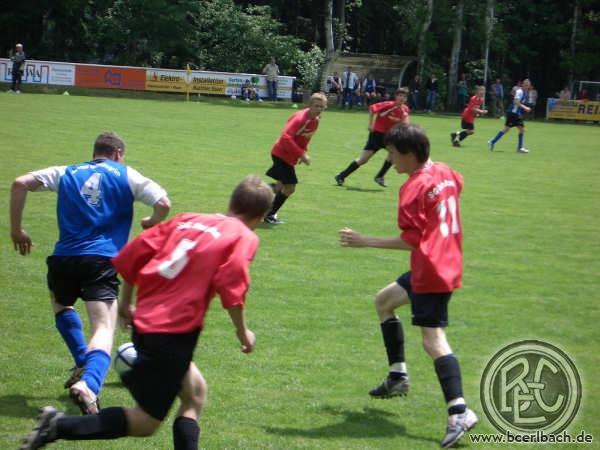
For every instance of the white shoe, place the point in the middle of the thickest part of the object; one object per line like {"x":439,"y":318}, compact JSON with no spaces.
{"x":17,"y":91}
{"x":458,"y":425}
{"x":491,"y":146}
{"x":10,"y":91}
{"x":522,"y":150}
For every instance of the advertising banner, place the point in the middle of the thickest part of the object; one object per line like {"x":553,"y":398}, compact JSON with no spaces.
{"x":110,"y":77}
{"x":40,"y":72}
{"x":572,"y":109}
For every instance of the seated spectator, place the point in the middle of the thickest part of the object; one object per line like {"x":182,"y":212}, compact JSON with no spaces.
{"x":583,"y":95}
{"x":369,"y":89}
{"x":250,"y":92}
{"x":565,"y":94}
{"x":381,"y":90}
{"x":334,"y":86}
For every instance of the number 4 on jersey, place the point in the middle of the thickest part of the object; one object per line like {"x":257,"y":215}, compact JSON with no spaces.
{"x":91,"y":189}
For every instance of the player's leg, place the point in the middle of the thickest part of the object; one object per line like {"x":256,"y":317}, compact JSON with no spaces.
{"x":520,"y":147}
{"x":362,"y":159}
{"x":467,"y":130}
{"x":186,"y":430}
{"x":507,"y":125}
{"x":380,"y":176}
{"x":386,"y":302}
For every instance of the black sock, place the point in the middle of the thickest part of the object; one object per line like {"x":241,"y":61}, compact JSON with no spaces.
{"x":348,"y":170}
{"x":185,"y":434}
{"x":109,"y":423}
{"x":457,"y":409}
{"x":448,"y":373}
{"x":462,"y":135}
{"x":393,"y":339}
{"x":384,"y":168}
{"x":278,"y":202}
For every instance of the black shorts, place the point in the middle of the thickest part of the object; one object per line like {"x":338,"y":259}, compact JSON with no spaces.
{"x":156,"y":376}
{"x":513,"y":120}
{"x":375,"y":141}
{"x":282,"y":171}
{"x":88,"y":277}
{"x":466,"y":125}
{"x":428,"y":310}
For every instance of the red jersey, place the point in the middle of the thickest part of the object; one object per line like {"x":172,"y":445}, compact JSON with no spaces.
{"x":388,"y":114}
{"x":295,"y":137}
{"x":468,"y":114}
{"x":429,"y":217}
{"x":178,"y":266}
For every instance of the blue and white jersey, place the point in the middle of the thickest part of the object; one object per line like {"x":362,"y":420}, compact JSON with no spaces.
{"x":95,"y":204}
{"x":521,"y":98}
{"x":369,"y":85}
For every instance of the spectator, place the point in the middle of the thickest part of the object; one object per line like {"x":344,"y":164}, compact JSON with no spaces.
{"x":334,"y":86}
{"x":349,"y":80}
{"x":249,"y":92}
{"x":432,"y":92}
{"x":583,"y":95}
{"x":381,"y":90}
{"x":565,"y":94}
{"x":497,"y":93}
{"x":358,"y":91}
{"x":533,"y":95}
{"x":414,"y":88}
{"x":369,"y":89}
{"x":271,"y":70}
{"x":18,"y":66}
{"x":462,"y":92}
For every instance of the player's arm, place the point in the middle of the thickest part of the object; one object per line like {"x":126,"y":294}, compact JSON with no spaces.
{"x":372,"y":119}
{"x":150,"y":193}
{"x":18,"y":194}
{"x":126,"y":307}
{"x":288,"y":137}
{"x":160,"y":211}
{"x":518,"y":103}
{"x":244,"y":334}
{"x":350,"y":238}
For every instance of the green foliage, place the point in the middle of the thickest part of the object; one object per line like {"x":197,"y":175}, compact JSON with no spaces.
{"x":309,"y":66}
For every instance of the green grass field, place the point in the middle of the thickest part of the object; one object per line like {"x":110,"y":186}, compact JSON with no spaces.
{"x":531,"y":225}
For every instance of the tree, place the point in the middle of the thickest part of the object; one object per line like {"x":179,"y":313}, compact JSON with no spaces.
{"x":421,"y":43}
{"x":455,"y":54}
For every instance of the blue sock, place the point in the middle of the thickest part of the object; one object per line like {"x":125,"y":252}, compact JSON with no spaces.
{"x":97,"y":363}
{"x":520,"y":141}
{"x":498,"y":136}
{"x":70,"y":328}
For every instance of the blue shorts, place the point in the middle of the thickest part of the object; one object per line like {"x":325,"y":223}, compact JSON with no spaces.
{"x":428,"y":310}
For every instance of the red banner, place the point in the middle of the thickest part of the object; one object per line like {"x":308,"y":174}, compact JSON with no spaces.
{"x":110,"y":77}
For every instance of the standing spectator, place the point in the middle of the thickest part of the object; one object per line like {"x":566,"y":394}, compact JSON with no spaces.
{"x":95,"y":210}
{"x":349,"y":81}
{"x":415,"y":90}
{"x":358,"y":91}
{"x":430,"y":229}
{"x":462,"y":91}
{"x":291,"y":148}
{"x":382,"y":117}
{"x":271,"y":70}
{"x":177,"y":268}
{"x":432,"y":92}
{"x":471,"y":111}
{"x":533,"y":95}
{"x":334,"y":86}
{"x":18,"y":66}
{"x":498,"y":98}
{"x":514,"y":117}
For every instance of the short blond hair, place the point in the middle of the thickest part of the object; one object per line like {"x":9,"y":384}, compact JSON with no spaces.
{"x":318,"y":96}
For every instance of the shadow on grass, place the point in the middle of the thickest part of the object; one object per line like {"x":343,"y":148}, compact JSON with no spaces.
{"x":29,"y":406}
{"x":353,"y":188}
{"x":367,"y":423}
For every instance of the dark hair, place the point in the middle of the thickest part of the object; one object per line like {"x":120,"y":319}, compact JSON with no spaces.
{"x":251,"y":198}
{"x":107,"y":142}
{"x":408,"y":139}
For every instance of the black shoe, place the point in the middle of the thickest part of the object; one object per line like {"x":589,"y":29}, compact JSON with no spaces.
{"x":339,"y":180}
{"x":456,"y":143}
{"x":44,"y":431}
{"x":391,"y":388}
{"x":380,"y":181}
{"x":453,"y":137}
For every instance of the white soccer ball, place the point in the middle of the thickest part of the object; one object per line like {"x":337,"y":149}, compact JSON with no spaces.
{"x":125,"y":357}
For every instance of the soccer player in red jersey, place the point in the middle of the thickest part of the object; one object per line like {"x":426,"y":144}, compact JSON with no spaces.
{"x":430,"y":228}
{"x":177,"y":267}
{"x":471,"y":111}
{"x":382,"y":117}
{"x":291,"y":148}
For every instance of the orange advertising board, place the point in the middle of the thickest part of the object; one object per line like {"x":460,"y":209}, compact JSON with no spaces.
{"x":111,"y":77}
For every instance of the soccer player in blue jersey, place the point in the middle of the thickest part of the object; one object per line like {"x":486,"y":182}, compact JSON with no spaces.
{"x":95,"y":212}
{"x":514,"y":117}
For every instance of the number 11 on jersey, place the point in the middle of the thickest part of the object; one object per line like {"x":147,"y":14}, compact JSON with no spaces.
{"x":442,"y":208}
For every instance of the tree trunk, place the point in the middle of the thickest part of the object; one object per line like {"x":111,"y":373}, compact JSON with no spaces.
{"x":455,"y":55}
{"x":422,"y":35}
{"x":489,"y":25}
{"x":341,"y":14}
{"x":576,"y":12}
{"x":329,"y":48}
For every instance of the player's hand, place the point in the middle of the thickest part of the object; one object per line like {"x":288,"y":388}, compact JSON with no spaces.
{"x":21,"y":241}
{"x":485,"y":111}
{"x":125,"y":315}
{"x":147,"y":222}
{"x":350,"y":238}
{"x":305,"y":159}
{"x":247,"y":339}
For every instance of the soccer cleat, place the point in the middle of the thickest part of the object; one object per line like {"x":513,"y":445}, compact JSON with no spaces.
{"x":380,"y":181}
{"x":76,"y":373}
{"x":456,"y":143}
{"x":522,"y":150}
{"x":44,"y":431}
{"x":339,"y":180}
{"x":84,"y":398}
{"x":491,"y":146}
{"x":273,"y":220}
{"x":458,"y":425}
{"x":391,"y":388}
{"x":453,"y":137}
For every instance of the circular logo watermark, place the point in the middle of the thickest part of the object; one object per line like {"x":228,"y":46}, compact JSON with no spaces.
{"x":530,"y":386}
